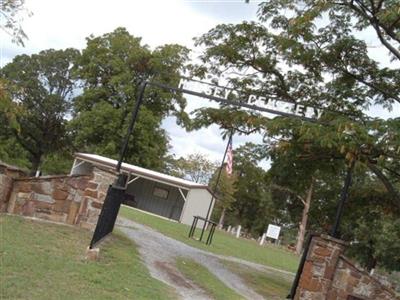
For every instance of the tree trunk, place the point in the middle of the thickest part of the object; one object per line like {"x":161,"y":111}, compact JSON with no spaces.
{"x":221,"y":219}
{"x":304,"y":218}
{"x":371,"y":264}
{"x":36,"y":161}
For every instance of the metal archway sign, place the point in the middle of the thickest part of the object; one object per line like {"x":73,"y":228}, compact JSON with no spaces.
{"x":112,"y":202}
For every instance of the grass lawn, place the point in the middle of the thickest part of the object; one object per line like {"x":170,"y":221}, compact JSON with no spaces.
{"x":271,"y":286}
{"x":223,"y":243}
{"x":46,"y":261}
{"x":206,"y":280}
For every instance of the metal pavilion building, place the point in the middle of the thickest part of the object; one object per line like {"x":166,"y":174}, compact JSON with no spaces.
{"x":160,"y":194}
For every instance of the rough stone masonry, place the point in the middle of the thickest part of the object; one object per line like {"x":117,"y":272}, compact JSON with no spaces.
{"x":70,"y":199}
{"x":328,"y":275}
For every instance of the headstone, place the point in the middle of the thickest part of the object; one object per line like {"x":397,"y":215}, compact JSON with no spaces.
{"x":238,"y":231}
{"x":263,"y":239}
{"x":229,"y":228}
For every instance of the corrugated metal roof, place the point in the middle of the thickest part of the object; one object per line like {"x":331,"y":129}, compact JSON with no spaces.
{"x":139,"y":171}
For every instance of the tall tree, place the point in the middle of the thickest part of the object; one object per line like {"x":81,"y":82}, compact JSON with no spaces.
{"x":10,"y":150}
{"x":253,"y":208}
{"x":225,"y":190}
{"x":41,"y":87}
{"x":110,"y":69}
{"x":309,"y":53}
{"x":308,"y":62}
{"x":381,"y":16}
{"x":195,"y":167}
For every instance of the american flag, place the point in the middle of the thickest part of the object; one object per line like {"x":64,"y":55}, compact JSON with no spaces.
{"x":229,"y":162}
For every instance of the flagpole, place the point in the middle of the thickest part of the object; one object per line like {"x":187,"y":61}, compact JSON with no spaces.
{"x":216,"y":183}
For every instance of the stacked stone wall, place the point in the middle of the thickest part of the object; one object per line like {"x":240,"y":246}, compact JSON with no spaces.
{"x":7,"y":175}
{"x":328,"y":275}
{"x":6,"y":184}
{"x":53,"y":198}
{"x":94,"y":196}
{"x":72,"y":199}
{"x":350,"y":280}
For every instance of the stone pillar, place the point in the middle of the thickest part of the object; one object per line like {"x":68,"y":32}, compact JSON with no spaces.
{"x":319,"y":267}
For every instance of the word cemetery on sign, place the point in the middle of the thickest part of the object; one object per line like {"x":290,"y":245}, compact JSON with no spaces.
{"x":273,"y":231}
{"x":251,"y":101}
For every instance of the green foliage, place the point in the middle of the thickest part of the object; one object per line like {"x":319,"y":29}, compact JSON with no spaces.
{"x":12,"y":153}
{"x":377,"y":236}
{"x":225,"y":189}
{"x":310,"y":53}
{"x":57,"y":102}
{"x":195,"y":167}
{"x":253,"y":208}
{"x":110,"y":69}
{"x":57,"y":163}
{"x":41,"y":88}
{"x":301,"y":19}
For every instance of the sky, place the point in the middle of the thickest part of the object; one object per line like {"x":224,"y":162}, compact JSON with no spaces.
{"x":60,"y":24}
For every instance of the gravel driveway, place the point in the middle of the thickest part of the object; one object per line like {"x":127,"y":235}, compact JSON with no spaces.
{"x":159,"y":253}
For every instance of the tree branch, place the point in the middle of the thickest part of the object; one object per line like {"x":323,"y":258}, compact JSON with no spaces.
{"x":286,"y":189}
{"x":376,"y":24}
{"x":369,"y":84}
{"x":389,"y":187}
{"x":385,"y":42}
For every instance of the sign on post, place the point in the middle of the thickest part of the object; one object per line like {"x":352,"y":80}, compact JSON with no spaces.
{"x":273,"y":231}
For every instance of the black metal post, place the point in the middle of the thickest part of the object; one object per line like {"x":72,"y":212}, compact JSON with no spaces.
{"x":216,"y":184}
{"x":211,"y":234}
{"x":343,"y":197}
{"x":192,"y":229}
{"x":108,"y":215}
{"x":300,"y":267}
{"x":135,"y":112}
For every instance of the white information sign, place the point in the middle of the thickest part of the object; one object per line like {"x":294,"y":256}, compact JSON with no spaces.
{"x":273,"y":231}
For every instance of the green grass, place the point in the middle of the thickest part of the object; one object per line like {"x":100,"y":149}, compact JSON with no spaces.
{"x":223,"y":243}
{"x":206,"y":280}
{"x":46,"y":261}
{"x":269,"y":285}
